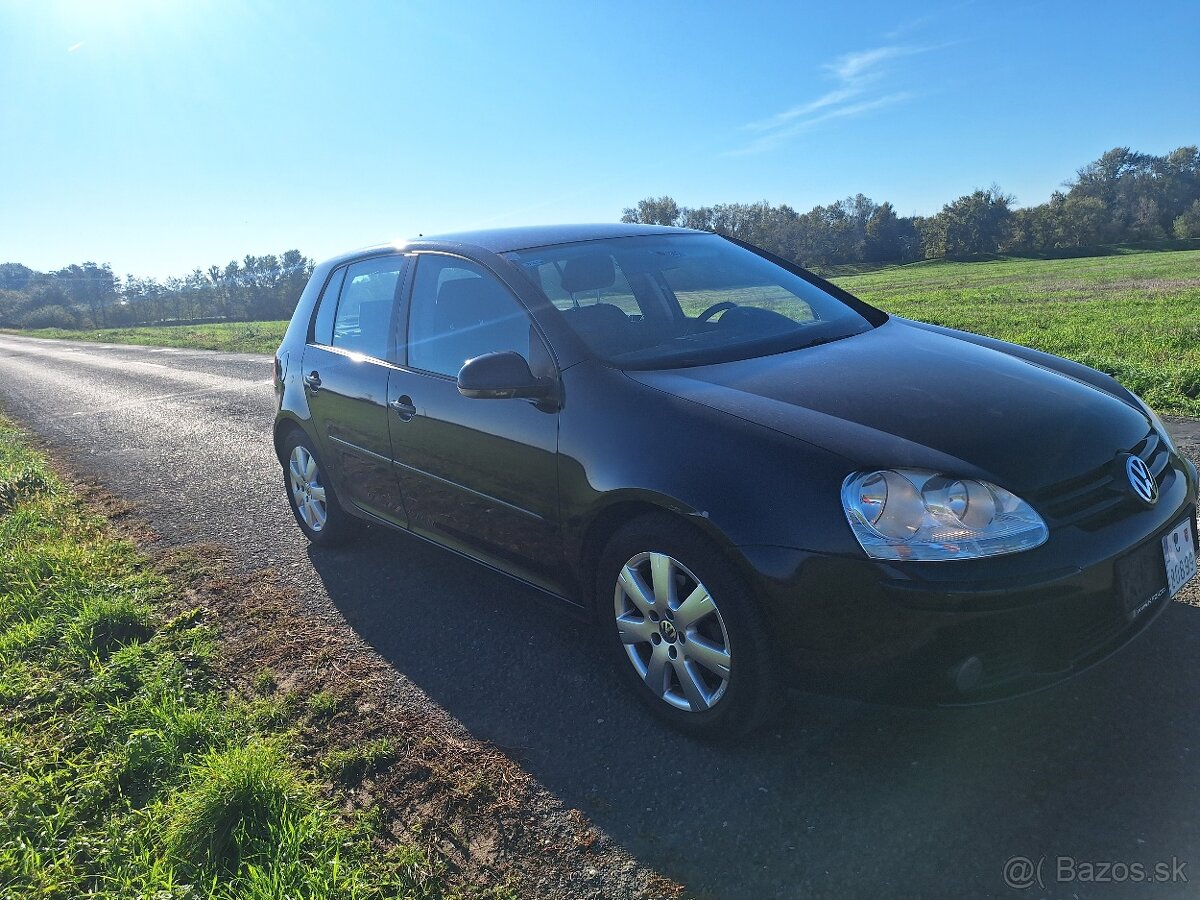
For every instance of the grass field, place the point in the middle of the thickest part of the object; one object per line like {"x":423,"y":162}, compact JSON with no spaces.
{"x":232,"y":337}
{"x":1134,"y":315}
{"x":126,"y":769}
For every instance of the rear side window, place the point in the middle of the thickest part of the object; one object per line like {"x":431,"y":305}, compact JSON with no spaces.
{"x":363,"y":323}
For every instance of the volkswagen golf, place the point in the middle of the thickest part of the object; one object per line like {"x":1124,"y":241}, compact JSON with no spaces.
{"x":744,"y":475}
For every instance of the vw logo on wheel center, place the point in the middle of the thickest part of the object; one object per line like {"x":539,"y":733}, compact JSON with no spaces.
{"x":1141,"y":480}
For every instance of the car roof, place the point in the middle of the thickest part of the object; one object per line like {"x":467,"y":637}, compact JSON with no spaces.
{"x":504,"y":240}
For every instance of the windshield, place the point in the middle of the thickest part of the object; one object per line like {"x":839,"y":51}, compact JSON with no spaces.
{"x":682,"y":300}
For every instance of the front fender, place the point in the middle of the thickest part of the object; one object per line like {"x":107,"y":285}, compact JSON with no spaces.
{"x":739,"y":482}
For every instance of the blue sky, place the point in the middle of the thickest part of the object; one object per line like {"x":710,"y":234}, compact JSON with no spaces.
{"x":158,"y":135}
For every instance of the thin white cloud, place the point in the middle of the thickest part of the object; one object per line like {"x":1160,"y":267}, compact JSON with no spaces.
{"x":854,"y":67}
{"x":849,"y":111}
{"x":859,"y":89}
{"x":74,"y":47}
{"x":833,"y":97}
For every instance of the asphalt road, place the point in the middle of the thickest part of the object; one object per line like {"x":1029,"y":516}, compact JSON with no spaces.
{"x":841,"y":799}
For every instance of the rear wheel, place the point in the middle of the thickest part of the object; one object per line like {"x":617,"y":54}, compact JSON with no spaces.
{"x":686,"y":636}
{"x":312,"y":497}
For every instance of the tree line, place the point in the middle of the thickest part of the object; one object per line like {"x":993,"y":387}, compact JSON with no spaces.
{"x":1123,"y":197}
{"x":91,"y":296}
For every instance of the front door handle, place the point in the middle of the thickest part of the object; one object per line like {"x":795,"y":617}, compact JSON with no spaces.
{"x":313,"y":380}
{"x":404,"y":407}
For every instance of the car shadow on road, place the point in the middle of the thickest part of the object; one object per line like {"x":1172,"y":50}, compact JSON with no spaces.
{"x":839,"y":797}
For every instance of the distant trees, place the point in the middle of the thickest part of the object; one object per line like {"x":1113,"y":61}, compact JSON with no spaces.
{"x":663,"y":211}
{"x":890,"y":237}
{"x":1188,"y":224}
{"x":975,"y":223}
{"x":90,"y":296}
{"x":61,"y":299}
{"x":89,"y":286}
{"x":1123,"y":197}
{"x":852,"y":229}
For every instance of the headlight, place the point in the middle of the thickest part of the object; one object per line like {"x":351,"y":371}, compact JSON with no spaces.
{"x":921,"y":515}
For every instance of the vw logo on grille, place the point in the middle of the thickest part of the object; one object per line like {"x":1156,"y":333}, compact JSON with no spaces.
{"x":1141,"y":480}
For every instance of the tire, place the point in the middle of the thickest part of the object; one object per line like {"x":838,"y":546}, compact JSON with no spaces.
{"x":311,"y":495}
{"x":690,"y":642}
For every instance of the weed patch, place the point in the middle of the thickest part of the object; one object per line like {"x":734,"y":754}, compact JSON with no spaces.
{"x":354,"y":763}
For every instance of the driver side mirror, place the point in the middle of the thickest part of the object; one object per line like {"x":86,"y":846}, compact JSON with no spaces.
{"x":502,"y":376}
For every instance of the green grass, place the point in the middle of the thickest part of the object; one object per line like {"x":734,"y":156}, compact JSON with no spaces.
{"x":126,"y":769}
{"x":232,"y":337}
{"x":323,"y":703}
{"x":1135,"y":316}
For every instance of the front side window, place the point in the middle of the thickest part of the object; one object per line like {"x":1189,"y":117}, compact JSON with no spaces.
{"x":460,"y":311}
{"x":681,"y":300}
{"x":364,"y":314}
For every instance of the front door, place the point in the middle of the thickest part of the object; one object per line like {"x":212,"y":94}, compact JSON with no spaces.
{"x":478,"y":475}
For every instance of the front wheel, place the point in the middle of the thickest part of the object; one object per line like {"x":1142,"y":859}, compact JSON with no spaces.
{"x":687,"y":637}
{"x":311,"y":496}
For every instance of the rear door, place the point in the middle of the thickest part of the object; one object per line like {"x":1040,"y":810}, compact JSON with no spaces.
{"x":478,"y":475}
{"x":346,"y":367}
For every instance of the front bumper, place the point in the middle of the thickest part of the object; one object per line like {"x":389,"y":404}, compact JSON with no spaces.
{"x":971,"y":631}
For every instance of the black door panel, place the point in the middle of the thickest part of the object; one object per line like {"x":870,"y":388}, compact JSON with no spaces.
{"x":350,"y":410}
{"x":480,"y":475}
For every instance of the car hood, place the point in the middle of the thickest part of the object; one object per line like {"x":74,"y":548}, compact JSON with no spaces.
{"x":900,"y":395}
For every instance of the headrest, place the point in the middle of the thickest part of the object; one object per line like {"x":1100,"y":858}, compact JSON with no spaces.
{"x":461,"y":291}
{"x":587,"y":273}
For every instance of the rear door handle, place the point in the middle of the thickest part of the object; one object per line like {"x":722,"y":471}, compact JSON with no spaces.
{"x":313,"y":380}
{"x":404,"y":407}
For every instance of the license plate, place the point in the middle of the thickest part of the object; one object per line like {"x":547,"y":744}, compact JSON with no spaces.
{"x":1140,"y":580}
{"x":1179,"y":553}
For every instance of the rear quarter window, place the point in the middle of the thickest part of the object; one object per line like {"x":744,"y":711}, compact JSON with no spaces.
{"x":322,"y":330}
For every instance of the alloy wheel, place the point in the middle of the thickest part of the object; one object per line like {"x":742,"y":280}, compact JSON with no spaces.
{"x":672,"y":632}
{"x":308,"y":493}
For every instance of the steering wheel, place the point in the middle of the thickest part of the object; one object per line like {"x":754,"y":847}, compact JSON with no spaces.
{"x":714,"y":309}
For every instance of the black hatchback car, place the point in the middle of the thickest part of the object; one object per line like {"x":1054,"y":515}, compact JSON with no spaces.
{"x":743,"y":473}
